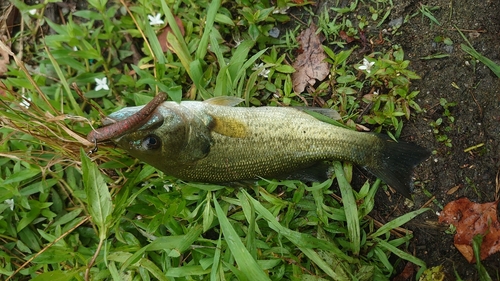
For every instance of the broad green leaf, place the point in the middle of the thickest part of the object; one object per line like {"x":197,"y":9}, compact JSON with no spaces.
{"x":28,"y":218}
{"x":54,"y":254}
{"x":285,"y":68}
{"x":98,"y":196}
{"x":21,"y":175}
{"x":56,"y":275}
{"x":220,"y":18}
{"x":187,"y":270}
{"x":344,"y":79}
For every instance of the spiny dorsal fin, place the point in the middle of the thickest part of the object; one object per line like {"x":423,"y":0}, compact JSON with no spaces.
{"x":224,"y":100}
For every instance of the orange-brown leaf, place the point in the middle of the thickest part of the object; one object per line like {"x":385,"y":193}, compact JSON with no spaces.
{"x":407,"y":273}
{"x":310,"y":65}
{"x":471,"y":219}
{"x":346,"y":37}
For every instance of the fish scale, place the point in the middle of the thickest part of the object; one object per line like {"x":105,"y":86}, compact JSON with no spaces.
{"x":295,"y":139}
{"x":213,"y":142}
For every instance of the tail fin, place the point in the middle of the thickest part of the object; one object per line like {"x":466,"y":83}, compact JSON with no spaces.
{"x":395,"y":162}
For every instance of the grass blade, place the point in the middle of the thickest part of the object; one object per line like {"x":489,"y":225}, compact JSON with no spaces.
{"x":350,"y":208}
{"x":216,"y":265}
{"x":77,"y":110}
{"x":471,"y":51}
{"x":489,"y":63}
{"x":400,"y":253}
{"x":328,"y":268}
{"x":299,"y":239}
{"x":247,"y":264}
{"x":399,"y":221}
{"x":211,"y":14}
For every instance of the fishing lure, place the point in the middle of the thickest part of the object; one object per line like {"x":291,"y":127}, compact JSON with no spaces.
{"x":126,"y":125}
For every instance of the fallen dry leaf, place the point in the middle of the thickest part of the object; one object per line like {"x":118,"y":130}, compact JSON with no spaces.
{"x":162,"y":37}
{"x":4,"y":56}
{"x":4,"y":62}
{"x":407,"y":273}
{"x":310,"y":65}
{"x":346,"y":37}
{"x":471,"y":219}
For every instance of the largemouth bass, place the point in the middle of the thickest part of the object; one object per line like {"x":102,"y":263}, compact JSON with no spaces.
{"x":214,"y":141}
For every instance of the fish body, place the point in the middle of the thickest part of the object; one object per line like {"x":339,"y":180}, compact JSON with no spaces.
{"x":210,"y":142}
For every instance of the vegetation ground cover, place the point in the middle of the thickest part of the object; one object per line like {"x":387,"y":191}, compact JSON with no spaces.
{"x":124,"y":220}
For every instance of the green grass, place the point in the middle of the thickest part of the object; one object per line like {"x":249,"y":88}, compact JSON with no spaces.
{"x":65,"y":215}
{"x":495,"y":68}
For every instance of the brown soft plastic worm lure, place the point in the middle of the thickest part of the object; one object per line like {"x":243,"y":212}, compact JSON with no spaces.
{"x":124,"y":126}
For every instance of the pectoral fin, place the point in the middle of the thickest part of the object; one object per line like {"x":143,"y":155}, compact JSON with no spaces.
{"x":229,"y":127}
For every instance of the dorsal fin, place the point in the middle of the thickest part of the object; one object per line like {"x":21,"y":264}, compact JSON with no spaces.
{"x":224,"y":100}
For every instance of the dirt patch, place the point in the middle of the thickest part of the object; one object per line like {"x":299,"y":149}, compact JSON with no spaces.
{"x":473,"y":91}
{"x":476,"y":91}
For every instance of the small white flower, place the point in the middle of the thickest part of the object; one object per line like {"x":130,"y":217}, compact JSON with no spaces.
{"x":155,"y":20}
{"x":102,"y":84}
{"x":167,"y":187}
{"x":366,"y":65}
{"x":75,"y":48}
{"x":264,"y":72}
{"x":10,"y":203}
{"x":26,"y":102}
{"x":375,"y":93}
{"x":32,"y":12}
{"x":282,"y":11}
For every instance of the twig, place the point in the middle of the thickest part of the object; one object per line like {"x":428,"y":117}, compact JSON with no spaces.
{"x":429,"y":202}
{"x":48,"y":246}
{"x":497,"y":189}
{"x":92,"y":261}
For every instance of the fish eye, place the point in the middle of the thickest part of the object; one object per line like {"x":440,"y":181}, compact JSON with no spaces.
{"x":151,"y":142}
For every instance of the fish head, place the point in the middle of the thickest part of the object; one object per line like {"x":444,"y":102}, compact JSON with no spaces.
{"x":170,"y":137}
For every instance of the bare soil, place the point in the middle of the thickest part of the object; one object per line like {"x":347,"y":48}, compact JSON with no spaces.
{"x":476,"y":91}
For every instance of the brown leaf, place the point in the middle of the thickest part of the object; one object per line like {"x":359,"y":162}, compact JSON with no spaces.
{"x":471,"y":219}
{"x":4,"y":57}
{"x":346,"y":37}
{"x":162,"y":37}
{"x":4,"y":62}
{"x":310,"y":65}
{"x":407,"y":273}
